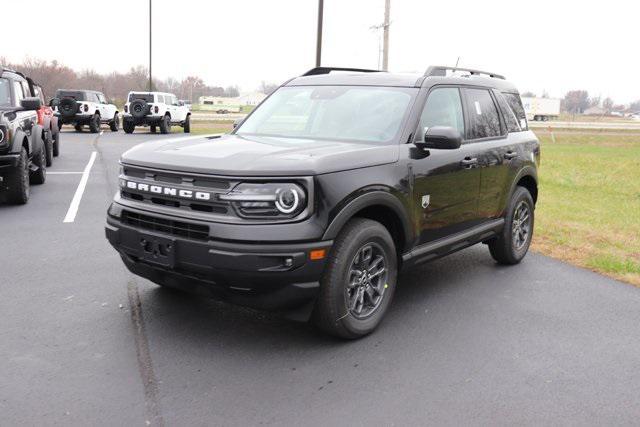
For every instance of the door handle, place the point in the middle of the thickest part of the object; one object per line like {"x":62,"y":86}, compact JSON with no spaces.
{"x":469,"y":162}
{"x":510,"y":155}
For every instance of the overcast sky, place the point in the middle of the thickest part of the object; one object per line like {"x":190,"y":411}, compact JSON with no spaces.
{"x":539,"y":45}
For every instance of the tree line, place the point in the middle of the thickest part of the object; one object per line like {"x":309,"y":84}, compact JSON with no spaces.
{"x":578,"y":101}
{"x":52,"y":75}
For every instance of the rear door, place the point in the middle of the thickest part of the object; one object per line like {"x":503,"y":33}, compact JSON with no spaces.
{"x":487,"y":132}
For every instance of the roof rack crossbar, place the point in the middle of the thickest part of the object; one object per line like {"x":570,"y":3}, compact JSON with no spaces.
{"x":440,"y":70}
{"x":326,"y":70}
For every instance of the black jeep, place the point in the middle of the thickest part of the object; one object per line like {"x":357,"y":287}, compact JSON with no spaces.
{"x":22,"y":146}
{"x":336,"y":181}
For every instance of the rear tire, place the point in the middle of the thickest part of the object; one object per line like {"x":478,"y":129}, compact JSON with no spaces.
{"x":18,"y":181}
{"x":187,"y":124}
{"x":94,"y":124}
{"x":152,"y":128}
{"x":128,"y":127}
{"x":513,"y":242}
{"x":78,"y":128}
{"x":358,"y":282}
{"x":165,"y":125}
{"x":114,"y":125}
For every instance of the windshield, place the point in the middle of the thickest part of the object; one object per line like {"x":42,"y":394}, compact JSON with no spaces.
{"x":359,"y":113}
{"x":5,"y":93}
{"x":75,"y":94}
{"x":147,"y":97}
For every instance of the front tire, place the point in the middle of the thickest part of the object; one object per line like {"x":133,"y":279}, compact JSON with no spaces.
{"x":56,"y":144}
{"x":94,"y":124}
{"x":114,"y":125}
{"x":39,"y":176}
{"x":513,"y":242}
{"x":48,"y":147}
{"x":78,"y":128}
{"x":359,"y":280}
{"x":18,"y":181}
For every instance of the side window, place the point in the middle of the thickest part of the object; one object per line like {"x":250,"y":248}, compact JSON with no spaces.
{"x":443,"y":108}
{"x":19,"y":94}
{"x":174,"y":101}
{"x":513,"y":99}
{"x":507,"y":113}
{"x":25,"y":89}
{"x":101,"y":98}
{"x":160,"y":99}
{"x":484,"y":120}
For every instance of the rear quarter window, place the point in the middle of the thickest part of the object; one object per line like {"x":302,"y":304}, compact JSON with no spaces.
{"x":510,"y":119}
{"x":513,"y":99}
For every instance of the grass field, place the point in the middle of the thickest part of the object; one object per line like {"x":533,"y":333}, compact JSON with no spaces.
{"x":588,"y":212}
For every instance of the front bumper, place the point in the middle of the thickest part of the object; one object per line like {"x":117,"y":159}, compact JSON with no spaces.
{"x":9,"y":160}
{"x":278,"y":277}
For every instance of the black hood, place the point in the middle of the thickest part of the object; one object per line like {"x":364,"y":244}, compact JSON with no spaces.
{"x":236,"y":155}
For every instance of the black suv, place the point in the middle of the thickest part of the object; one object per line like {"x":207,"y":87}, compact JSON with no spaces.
{"x":336,"y":181}
{"x":22,"y":149}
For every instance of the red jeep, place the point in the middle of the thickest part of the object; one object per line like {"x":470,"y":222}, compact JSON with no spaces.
{"x":48,"y":121}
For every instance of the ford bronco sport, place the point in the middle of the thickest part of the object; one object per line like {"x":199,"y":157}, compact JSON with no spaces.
{"x":86,"y":107}
{"x":155,"y":109}
{"x":337,"y":180}
{"x":22,"y":149}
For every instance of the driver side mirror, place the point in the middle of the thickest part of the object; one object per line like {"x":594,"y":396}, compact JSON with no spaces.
{"x":440,"y":138}
{"x":54,"y":102}
{"x":31,"y":103}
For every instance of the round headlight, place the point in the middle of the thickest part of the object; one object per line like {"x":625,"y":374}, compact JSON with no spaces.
{"x":287,"y":200}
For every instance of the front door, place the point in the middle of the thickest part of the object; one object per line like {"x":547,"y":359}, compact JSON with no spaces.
{"x":446,"y":182}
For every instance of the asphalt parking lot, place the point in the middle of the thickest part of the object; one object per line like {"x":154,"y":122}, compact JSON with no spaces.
{"x":84,"y":342}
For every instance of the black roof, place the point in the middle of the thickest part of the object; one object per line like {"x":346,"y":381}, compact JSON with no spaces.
{"x":434,"y":75}
{"x":78,"y":90}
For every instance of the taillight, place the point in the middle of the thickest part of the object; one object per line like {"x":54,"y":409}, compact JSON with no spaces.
{"x":156,"y":109}
{"x":86,"y":108}
{"x":40,"y":117}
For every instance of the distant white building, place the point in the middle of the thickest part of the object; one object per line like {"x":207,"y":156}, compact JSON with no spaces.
{"x":215,"y":102}
{"x":252,"y":98}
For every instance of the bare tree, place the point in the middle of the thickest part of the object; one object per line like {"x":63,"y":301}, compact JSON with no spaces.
{"x":576,"y":101}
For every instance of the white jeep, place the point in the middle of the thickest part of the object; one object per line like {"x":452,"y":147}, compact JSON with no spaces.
{"x":155,"y":109}
{"x":85,"y":107}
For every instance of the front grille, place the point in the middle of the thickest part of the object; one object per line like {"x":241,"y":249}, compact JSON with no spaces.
{"x":166,"y":226}
{"x":195,"y":182}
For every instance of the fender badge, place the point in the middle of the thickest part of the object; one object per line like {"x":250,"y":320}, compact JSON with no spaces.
{"x":425,"y":201}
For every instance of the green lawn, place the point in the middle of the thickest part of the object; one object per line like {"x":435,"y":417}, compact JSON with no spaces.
{"x":588,"y":211}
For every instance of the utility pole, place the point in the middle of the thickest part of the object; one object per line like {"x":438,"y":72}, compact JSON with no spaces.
{"x":319,"y":36}
{"x":150,"y":79}
{"x":385,"y":43}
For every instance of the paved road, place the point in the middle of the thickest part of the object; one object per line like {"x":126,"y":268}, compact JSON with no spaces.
{"x":466,"y":342}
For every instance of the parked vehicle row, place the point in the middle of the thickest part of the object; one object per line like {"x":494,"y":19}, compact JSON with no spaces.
{"x":27,"y":136}
{"x":91,"y":108}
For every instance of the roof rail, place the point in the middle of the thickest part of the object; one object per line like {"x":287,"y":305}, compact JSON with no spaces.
{"x":326,"y":70}
{"x":440,"y":70}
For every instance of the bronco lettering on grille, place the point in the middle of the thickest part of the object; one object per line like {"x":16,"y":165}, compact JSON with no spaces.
{"x":167,"y":191}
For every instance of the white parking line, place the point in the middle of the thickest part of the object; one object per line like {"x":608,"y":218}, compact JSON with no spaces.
{"x":75,"y":202}
{"x":63,"y":173}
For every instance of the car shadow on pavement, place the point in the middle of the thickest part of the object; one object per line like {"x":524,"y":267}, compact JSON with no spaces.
{"x":196,"y":320}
